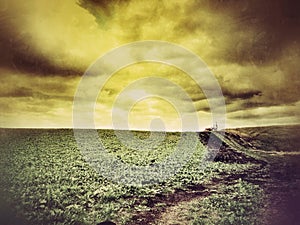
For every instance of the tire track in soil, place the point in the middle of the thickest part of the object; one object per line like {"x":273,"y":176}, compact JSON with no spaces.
{"x":149,"y":217}
{"x":173,"y":201}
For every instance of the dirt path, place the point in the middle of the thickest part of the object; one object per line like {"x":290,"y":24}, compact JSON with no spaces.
{"x":175,"y":215}
{"x":170,"y":200}
{"x":175,"y":204}
{"x":282,"y":188}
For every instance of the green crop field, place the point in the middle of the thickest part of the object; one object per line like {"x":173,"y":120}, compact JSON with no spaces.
{"x":45,"y":180}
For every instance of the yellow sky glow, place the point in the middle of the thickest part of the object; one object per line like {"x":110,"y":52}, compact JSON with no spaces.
{"x":48,"y":45}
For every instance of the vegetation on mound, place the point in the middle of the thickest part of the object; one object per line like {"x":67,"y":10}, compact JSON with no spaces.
{"x":275,"y":138}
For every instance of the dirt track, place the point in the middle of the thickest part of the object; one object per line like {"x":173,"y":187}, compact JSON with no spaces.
{"x":281,"y":185}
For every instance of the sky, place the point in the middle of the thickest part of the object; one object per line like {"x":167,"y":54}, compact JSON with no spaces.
{"x":251,"y":47}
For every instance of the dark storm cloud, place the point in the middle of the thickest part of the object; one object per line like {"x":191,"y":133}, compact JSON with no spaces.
{"x":251,"y":31}
{"x":101,"y":9}
{"x":23,"y":92}
{"x":253,"y":104}
{"x":244,"y":94}
{"x":21,"y":57}
{"x":245,"y":105}
{"x":246,"y":31}
{"x":203,"y":109}
{"x":17,"y":52}
{"x":266,"y":115}
{"x":17,"y":93}
{"x":252,"y":46}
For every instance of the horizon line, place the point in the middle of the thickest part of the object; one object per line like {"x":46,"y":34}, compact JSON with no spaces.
{"x":135,"y":129}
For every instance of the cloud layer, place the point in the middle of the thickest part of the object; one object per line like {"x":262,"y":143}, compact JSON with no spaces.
{"x":252,"y":47}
